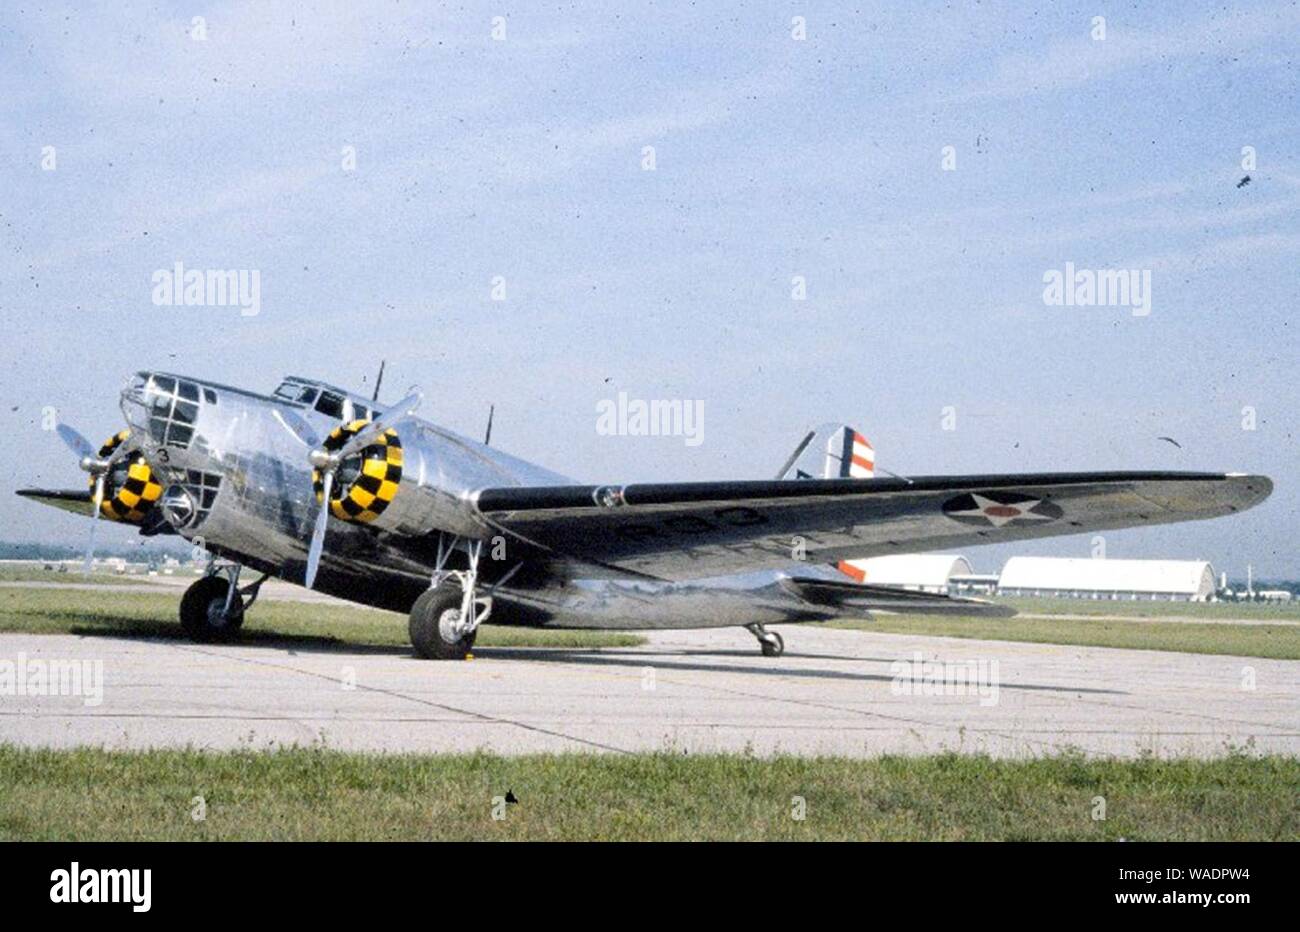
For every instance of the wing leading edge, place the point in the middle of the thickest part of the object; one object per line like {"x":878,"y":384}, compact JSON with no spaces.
{"x":698,"y":529}
{"x":77,"y":501}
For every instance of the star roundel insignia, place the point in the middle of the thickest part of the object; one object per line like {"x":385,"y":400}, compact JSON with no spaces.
{"x":999,"y":509}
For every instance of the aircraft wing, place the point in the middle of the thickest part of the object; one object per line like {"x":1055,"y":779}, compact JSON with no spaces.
{"x":699,"y":529}
{"x":77,"y":501}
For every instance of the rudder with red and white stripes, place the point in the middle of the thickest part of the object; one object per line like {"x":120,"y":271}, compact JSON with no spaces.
{"x":857,"y":457}
{"x":832,"y":451}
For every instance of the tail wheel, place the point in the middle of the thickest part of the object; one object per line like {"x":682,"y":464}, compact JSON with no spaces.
{"x":434,"y":618}
{"x":773,"y":645}
{"x":203,"y":610}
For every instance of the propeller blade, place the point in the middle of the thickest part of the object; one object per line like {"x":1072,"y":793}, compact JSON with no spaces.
{"x":318,"y":534}
{"x":77,"y":443}
{"x":371,"y":432}
{"x":298,"y":428}
{"x":94,"y":523}
{"x":120,"y":451}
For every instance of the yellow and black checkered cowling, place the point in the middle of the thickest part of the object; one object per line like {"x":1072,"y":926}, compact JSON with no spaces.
{"x":365,"y":497}
{"x":130,"y":501}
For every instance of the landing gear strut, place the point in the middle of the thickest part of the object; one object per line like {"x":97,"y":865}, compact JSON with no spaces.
{"x":212,"y":609}
{"x":445,"y":618}
{"x":770,"y":642}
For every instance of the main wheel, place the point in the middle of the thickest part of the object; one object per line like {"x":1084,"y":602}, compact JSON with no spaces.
{"x":203,"y":610}
{"x":434,"y":618}
{"x":773,"y":645}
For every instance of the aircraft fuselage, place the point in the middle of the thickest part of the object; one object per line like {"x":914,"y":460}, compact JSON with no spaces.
{"x":240,"y":485}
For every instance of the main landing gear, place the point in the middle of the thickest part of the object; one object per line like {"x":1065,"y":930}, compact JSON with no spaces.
{"x":213,"y":608}
{"x":770,"y":642}
{"x":445,"y":618}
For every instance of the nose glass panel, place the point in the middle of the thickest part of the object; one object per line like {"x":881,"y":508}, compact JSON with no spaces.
{"x":171,"y":407}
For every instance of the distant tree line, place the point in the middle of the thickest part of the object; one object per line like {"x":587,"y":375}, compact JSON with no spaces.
{"x":1289,"y":585}
{"x":143,"y":552}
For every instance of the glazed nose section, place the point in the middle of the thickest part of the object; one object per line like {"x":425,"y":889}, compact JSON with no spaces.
{"x":163,"y":408}
{"x":133,"y":404}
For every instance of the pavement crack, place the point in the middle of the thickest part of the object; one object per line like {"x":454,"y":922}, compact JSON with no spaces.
{"x":429,"y":703}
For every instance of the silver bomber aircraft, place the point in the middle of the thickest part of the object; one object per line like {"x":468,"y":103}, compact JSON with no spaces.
{"x":313,"y":485}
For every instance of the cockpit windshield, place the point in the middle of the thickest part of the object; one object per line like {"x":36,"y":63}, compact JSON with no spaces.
{"x":296,"y":392}
{"x":334,"y":403}
{"x":330,"y":405}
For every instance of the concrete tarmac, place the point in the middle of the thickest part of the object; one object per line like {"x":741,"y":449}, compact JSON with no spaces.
{"x":834,"y":692}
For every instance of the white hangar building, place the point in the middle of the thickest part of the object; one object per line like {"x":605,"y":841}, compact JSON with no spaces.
{"x":1168,"y":580}
{"x":924,"y":572}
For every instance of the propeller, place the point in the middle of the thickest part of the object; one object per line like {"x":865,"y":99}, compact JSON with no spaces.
{"x":89,"y":461}
{"x":327,"y":463}
{"x":381,"y":423}
{"x":298,"y":428}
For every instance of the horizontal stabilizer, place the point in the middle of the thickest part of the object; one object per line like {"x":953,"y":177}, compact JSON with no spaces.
{"x":849,"y":595}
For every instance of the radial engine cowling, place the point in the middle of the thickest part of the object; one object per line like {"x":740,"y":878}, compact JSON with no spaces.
{"x":365,"y":484}
{"x":130,"y":488}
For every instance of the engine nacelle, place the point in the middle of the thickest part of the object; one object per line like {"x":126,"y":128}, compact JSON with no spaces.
{"x":130,"y":488}
{"x":412,"y":488}
{"x":365,"y":484}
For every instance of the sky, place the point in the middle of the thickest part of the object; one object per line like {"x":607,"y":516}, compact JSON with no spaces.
{"x":381,"y":166}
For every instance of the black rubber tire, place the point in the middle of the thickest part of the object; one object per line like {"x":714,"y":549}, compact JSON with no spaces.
{"x":426,"y":635}
{"x":201,"y":611}
{"x":774,"y":647}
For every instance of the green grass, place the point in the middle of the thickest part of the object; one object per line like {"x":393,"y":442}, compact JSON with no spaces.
{"x":1209,"y":611}
{"x":73,"y":576}
{"x":92,"y":794}
{"x":153,"y":614}
{"x":1275,"y":642}
{"x":1142,"y":631}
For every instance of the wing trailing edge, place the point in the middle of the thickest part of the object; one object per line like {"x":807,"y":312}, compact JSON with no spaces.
{"x":891,"y":599}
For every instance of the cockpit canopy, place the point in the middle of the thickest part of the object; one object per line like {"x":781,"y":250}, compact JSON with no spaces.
{"x":166,"y":406}
{"x":327,"y":400}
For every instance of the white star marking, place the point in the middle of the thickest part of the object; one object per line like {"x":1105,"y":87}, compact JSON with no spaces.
{"x":999,"y":514}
